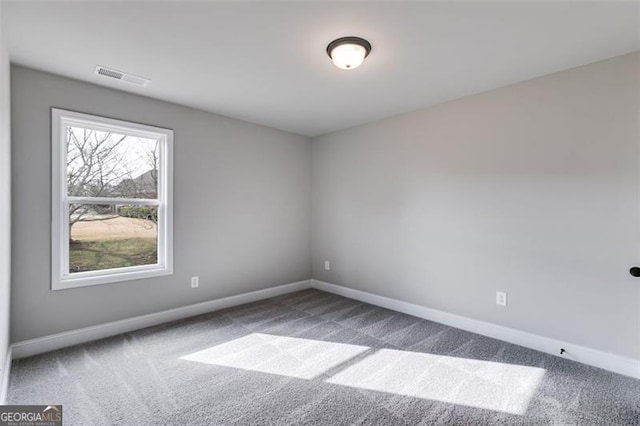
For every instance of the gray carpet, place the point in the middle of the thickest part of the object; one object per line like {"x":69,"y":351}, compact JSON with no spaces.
{"x":316,"y":358}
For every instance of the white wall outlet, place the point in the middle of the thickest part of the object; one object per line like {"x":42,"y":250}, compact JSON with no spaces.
{"x":327,"y":265}
{"x":195,"y":282}
{"x":501,"y":298}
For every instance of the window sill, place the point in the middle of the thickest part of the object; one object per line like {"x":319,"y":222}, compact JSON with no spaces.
{"x":109,"y":276}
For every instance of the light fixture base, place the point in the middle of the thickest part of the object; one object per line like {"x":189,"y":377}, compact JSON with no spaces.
{"x":349,"y":40}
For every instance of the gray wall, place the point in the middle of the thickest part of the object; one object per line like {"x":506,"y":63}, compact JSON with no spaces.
{"x":530,"y":189}
{"x":241,"y":214}
{"x":5,"y":202}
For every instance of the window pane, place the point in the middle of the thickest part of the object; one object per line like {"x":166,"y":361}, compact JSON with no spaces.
{"x":112,"y":236}
{"x":106,"y":164}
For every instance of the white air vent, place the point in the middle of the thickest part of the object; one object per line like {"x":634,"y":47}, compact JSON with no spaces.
{"x":122,"y":76}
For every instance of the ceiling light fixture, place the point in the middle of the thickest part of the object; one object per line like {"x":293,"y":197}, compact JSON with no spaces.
{"x":348,"y":53}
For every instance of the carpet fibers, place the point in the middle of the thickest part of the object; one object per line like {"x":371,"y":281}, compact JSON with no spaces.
{"x":316,"y":358}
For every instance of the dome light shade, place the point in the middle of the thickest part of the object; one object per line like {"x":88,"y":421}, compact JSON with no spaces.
{"x":348,"y":53}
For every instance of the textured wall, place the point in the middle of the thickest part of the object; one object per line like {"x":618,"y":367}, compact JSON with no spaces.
{"x":241,"y":213}
{"x":530,"y":189}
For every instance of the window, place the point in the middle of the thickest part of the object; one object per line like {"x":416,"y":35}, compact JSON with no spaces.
{"x":111,"y":200}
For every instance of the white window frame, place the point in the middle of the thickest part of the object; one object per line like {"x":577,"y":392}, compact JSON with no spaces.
{"x":61,"y":278}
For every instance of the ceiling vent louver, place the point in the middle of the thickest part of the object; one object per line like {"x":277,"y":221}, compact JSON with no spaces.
{"x":122,"y":76}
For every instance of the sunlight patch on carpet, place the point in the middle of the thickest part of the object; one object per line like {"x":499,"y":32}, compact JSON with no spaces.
{"x":470,"y":382}
{"x":282,"y":355}
{"x":463,"y":381}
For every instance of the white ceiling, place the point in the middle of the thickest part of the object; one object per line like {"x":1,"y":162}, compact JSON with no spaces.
{"x":266,"y":62}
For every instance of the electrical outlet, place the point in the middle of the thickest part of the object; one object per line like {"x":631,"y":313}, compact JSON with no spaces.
{"x":327,"y":265}
{"x":501,"y":298}
{"x":195,"y":282}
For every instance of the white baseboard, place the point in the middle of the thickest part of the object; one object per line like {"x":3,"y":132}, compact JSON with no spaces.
{"x":608,"y":361}
{"x":82,"y":335}
{"x":4,"y":378}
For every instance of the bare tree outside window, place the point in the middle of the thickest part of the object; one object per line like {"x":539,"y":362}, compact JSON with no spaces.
{"x":109,"y":165}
